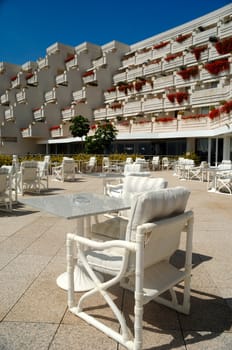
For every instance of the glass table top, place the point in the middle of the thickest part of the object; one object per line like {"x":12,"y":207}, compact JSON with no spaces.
{"x":76,"y":205}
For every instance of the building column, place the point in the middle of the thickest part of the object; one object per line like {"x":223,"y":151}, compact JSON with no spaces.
{"x":226,"y":147}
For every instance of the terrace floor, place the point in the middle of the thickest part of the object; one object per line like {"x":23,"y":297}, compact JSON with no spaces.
{"x":33,"y":309}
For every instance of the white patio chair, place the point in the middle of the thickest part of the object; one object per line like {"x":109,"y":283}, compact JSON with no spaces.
{"x":44,"y":169}
{"x":143,"y":162}
{"x":132,"y":185}
{"x":224,"y":181}
{"x":90,"y":166}
{"x":165,"y":163}
{"x":135,"y":169}
{"x":28,"y":177}
{"x":198,"y":172}
{"x":155,"y":163}
{"x":140,"y":263}
{"x":66,"y":171}
{"x":5,"y":189}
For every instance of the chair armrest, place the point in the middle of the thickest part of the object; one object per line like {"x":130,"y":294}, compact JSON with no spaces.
{"x":101,"y":245}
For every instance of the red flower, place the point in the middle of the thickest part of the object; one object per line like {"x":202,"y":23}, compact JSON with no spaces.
{"x":214,"y":113}
{"x":55,"y":127}
{"x":198,"y":50}
{"x":217,"y":66}
{"x":182,"y":38}
{"x":188,"y":72}
{"x":224,"y":46}
{"x":160,"y":45}
{"x":173,"y":56}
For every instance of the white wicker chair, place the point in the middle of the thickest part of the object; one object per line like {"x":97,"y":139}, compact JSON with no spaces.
{"x":140,"y":263}
{"x":5,"y":189}
{"x":28,"y":178}
{"x":132,"y":185}
{"x":90,"y":166}
{"x":66,"y":171}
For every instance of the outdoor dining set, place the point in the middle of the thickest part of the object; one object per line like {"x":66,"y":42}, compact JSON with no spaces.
{"x":124,"y":236}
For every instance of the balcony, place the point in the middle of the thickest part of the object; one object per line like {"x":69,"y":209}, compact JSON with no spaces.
{"x":62,"y":79}
{"x":163,"y":82}
{"x":152,"y":67}
{"x":152,"y":104}
{"x":68,"y":113}
{"x":208,"y":97}
{"x":50,"y":96}
{"x":197,"y":122}
{"x":132,"y":108}
{"x":5,"y":99}
{"x":38,"y":114}
{"x":35,"y":131}
{"x":201,"y":51}
{"x":32,"y":79}
{"x":142,"y":125}
{"x":21,"y":96}
{"x":129,"y":60}
{"x":226,"y":29}
{"x":132,"y":74}
{"x":29,"y":66}
{"x":172,"y":61}
{"x":120,"y":77}
{"x":9,"y":114}
{"x":79,"y":95}
{"x":160,"y":49}
{"x":144,"y":55}
{"x":43,"y":63}
{"x":100,"y":113}
{"x":18,"y":81}
{"x":89,"y":77}
{"x":165,"y":125}
{"x":180,"y":43}
{"x":71,"y":62}
{"x":203,"y":36}
{"x":102,"y":61}
{"x":59,"y":131}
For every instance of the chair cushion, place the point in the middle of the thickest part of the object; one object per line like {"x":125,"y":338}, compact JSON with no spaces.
{"x":107,"y":261}
{"x":156,"y":205}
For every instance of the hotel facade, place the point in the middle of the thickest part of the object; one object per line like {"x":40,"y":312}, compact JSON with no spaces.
{"x":166,"y":95}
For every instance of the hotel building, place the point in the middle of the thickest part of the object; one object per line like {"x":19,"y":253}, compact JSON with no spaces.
{"x":166,"y":95}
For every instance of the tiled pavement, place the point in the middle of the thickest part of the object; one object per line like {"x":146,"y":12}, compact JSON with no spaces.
{"x":33,"y":310}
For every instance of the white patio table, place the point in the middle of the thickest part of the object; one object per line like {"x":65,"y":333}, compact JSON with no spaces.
{"x":79,"y":206}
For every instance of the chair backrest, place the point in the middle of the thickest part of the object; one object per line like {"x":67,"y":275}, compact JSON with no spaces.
{"x":132,"y":168}
{"x":129,"y":160}
{"x":68,"y":166}
{"x":92,"y":160}
{"x":3,"y":180}
{"x":138,"y":184}
{"x":155,"y":160}
{"x":29,"y":170}
{"x":155,"y":205}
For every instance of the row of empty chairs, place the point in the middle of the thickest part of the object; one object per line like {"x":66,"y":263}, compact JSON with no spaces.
{"x":27,"y":176}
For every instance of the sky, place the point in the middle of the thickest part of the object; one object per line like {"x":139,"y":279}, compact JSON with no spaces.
{"x":28,"y":27}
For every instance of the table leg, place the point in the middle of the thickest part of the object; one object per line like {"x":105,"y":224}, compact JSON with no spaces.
{"x":82,"y":281}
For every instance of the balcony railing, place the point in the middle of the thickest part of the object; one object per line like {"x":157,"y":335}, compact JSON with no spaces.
{"x":9,"y":114}
{"x":62,"y":79}
{"x":43,"y":63}
{"x":203,"y":37}
{"x":38,"y":114}
{"x":50,"y":96}
{"x":5,"y":99}
{"x":68,"y":113}
{"x":79,"y":95}
{"x":21,"y":96}
{"x":209,"y":96}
